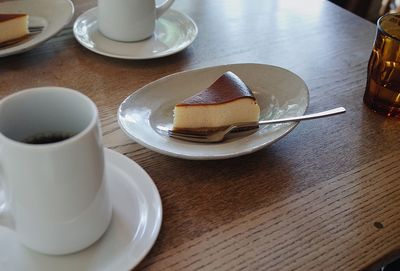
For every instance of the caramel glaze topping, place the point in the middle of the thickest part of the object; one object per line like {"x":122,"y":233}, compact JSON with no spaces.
{"x":7,"y":17}
{"x":227,"y":88}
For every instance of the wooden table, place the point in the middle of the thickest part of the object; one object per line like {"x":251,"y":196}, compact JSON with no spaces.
{"x":325,"y":197}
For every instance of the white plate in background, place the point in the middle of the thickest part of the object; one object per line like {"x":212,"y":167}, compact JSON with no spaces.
{"x":53,"y":15}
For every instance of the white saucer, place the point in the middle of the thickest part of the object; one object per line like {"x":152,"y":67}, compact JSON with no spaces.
{"x":137,"y":215}
{"x":52,"y":14}
{"x":174,"y":32}
{"x":147,"y":114}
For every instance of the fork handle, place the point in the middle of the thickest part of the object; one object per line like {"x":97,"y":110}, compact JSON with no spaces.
{"x":330,"y":112}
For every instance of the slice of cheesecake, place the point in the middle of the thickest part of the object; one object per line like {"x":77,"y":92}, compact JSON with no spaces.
{"x":13,"y":27}
{"x":228,"y":100}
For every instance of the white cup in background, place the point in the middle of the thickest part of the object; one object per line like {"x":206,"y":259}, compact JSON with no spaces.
{"x":53,"y":195}
{"x":129,"y":20}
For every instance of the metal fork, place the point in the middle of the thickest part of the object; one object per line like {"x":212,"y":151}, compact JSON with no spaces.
{"x":218,"y":136}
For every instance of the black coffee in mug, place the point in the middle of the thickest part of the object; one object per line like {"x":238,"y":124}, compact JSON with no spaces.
{"x":47,"y":138}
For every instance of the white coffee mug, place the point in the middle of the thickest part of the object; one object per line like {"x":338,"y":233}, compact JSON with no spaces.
{"x":129,"y":20}
{"x":53,"y":195}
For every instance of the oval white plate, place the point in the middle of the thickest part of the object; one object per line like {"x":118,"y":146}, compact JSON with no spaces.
{"x":52,"y":14}
{"x":174,"y":32}
{"x":148,"y":113}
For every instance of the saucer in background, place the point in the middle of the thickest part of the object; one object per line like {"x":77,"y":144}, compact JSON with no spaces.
{"x":174,"y":31}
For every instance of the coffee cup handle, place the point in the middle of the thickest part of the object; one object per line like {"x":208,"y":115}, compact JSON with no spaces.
{"x":163,"y":7}
{"x":6,"y":218}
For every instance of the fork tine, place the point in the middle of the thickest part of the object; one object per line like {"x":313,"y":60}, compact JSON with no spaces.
{"x":192,"y":139}
{"x":181,"y":134}
{"x":32,"y":32}
{"x":35,"y":31}
{"x":35,"y":28}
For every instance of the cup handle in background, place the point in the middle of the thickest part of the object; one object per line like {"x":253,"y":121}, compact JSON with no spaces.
{"x":6,"y":218}
{"x":163,"y":7}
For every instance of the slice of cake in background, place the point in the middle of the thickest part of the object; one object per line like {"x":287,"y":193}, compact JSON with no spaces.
{"x":13,"y":27}
{"x":228,"y":100}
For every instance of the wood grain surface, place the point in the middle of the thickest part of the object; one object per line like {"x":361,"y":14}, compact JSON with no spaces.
{"x":325,"y":197}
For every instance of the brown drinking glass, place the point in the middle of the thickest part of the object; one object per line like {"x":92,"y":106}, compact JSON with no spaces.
{"x":382,"y":93}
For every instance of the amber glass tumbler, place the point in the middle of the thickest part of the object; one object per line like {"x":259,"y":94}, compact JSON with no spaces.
{"x":382,"y":92}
